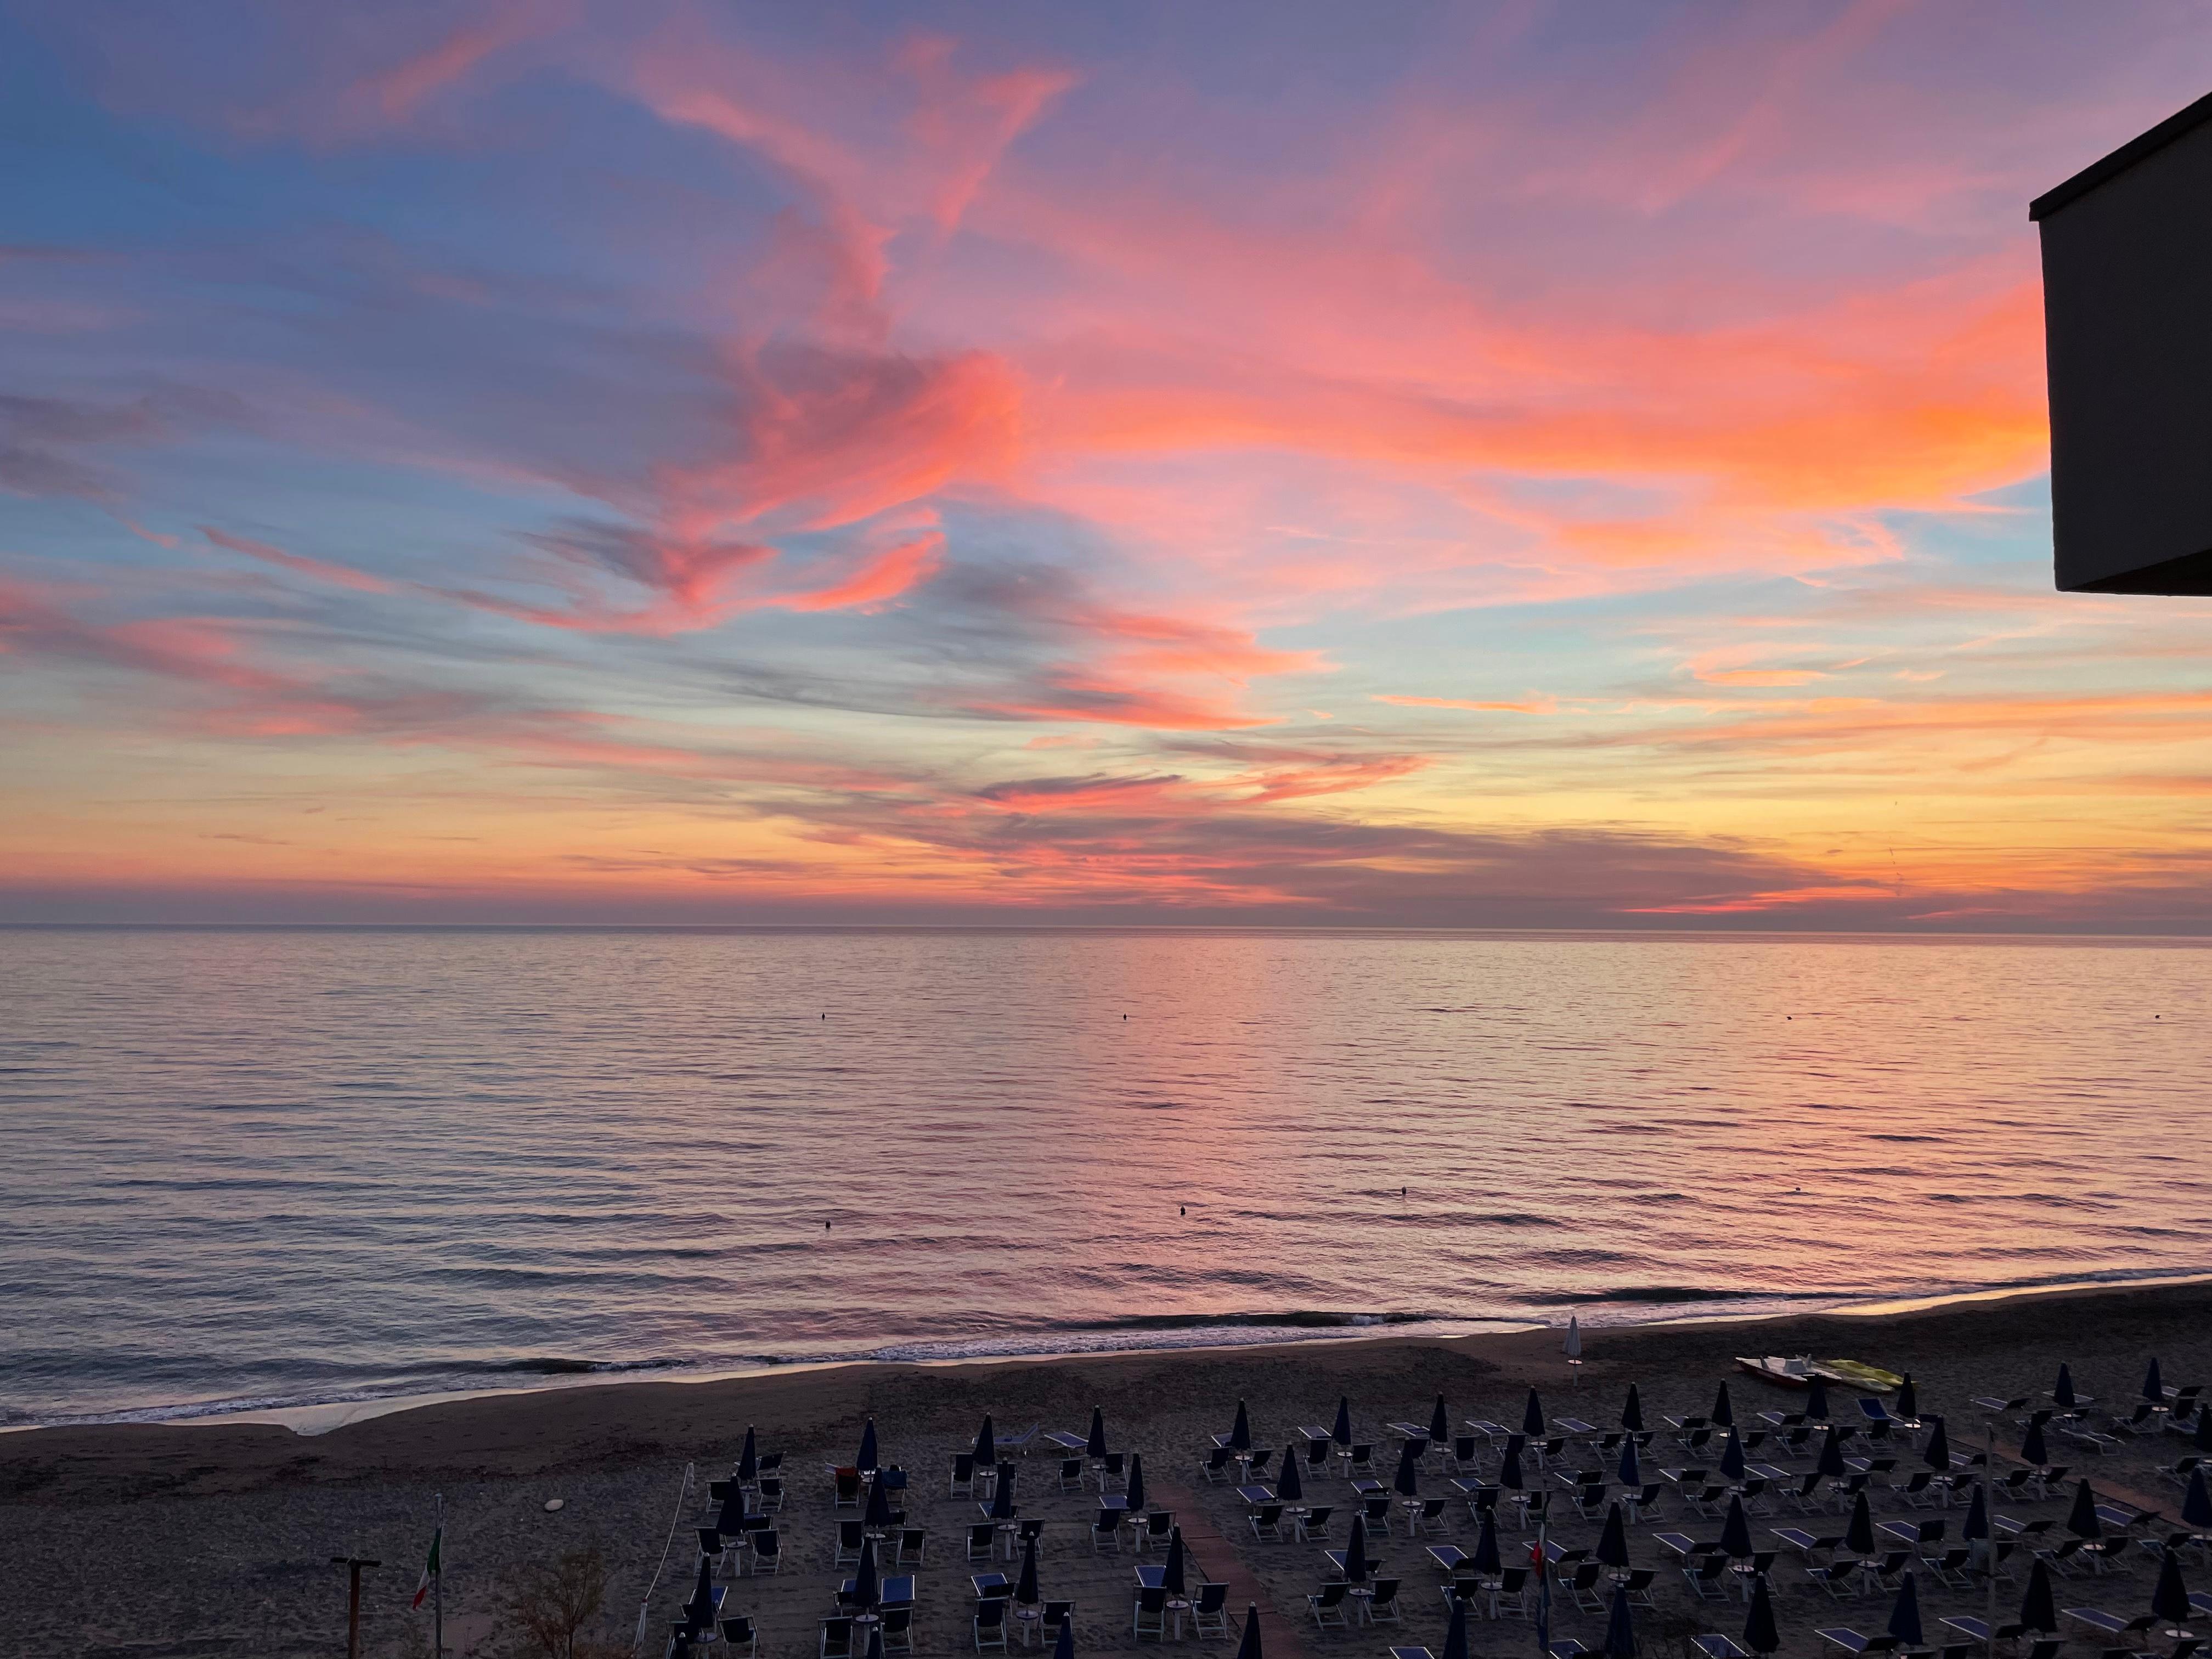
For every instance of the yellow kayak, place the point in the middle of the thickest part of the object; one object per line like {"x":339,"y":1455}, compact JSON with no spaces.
{"x":1859,"y":1374}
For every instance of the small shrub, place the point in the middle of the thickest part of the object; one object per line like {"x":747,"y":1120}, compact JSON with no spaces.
{"x":545,"y":1611}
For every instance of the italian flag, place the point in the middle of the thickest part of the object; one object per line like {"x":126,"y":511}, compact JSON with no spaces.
{"x":429,"y":1569}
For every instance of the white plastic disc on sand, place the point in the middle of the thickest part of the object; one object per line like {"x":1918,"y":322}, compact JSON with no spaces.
{"x":553,"y":1503}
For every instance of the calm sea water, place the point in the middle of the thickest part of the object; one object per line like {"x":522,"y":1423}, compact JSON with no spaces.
{"x":261,"y":1167}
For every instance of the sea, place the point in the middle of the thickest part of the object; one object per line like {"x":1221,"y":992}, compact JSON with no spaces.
{"x":268,"y":1169}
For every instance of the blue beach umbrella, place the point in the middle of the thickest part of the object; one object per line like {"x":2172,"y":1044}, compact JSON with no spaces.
{"x":749,"y":1459}
{"x":2038,"y":1611}
{"x":1831,"y":1462}
{"x":1240,"y":1433}
{"x":1632,"y":1467}
{"x":1532,"y":1418}
{"x":1905,"y":1617}
{"x":1455,"y":1631}
{"x":1355,"y":1552}
{"x":1816,"y":1399}
{"x":866,"y":1459}
{"x":1002,"y":1500}
{"x":1509,"y":1471}
{"x":1977,"y":1517}
{"x":700,"y":1607}
{"x":875,"y":1649}
{"x":1736,"y":1532}
{"x":1486,"y":1560}
{"x":1908,"y":1399}
{"x":1136,"y":1485}
{"x":878,"y":1515}
{"x":1613,"y":1542}
{"x":1631,"y":1414}
{"x":1249,"y":1647}
{"x":1723,"y":1413}
{"x":1172,"y":1574}
{"x":1408,"y":1481}
{"x":2153,"y":1389}
{"x":1759,"y":1634}
{"x":986,"y":1444}
{"x":2082,"y":1523}
{"x":868,"y":1583}
{"x":1293,"y":1486}
{"x":1095,"y":1445}
{"x":2196,"y":1502}
{"x":1025,"y":1588}
{"x":1621,"y":1627}
{"x":2061,"y":1392}
{"x":1439,"y":1424}
{"x":1342,"y":1432}
{"x":1063,"y":1646}
{"x":2203,"y":1428}
{"x":2170,"y":1599}
{"x":1858,"y":1537}
{"x":2031,"y":1449}
{"x":1938,"y":1454}
{"x":732,"y":1521}
{"x":1732,"y":1456}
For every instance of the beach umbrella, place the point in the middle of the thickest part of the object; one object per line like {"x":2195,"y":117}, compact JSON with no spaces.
{"x":2031,"y":1449}
{"x":2203,"y":1429}
{"x":732,"y":1521}
{"x":2196,"y":1503}
{"x":1355,"y":1552}
{"x":2153,"y":1386}
{"x":1095,"y":1445}
{"x":1025,"y":1588}
{"x":1735,"y":1531}
{"x":1938,"y":1452}
{"x":1831,"y":1462}
{"x":700,"y":1607}
{"x":1509,"y":1470}
{"x":1977,"y":1516}
{"x":986,"y":1444}
{"x":1732,"y":1456}
{"x":1136,"y":1485}
{"x":1172,"y":1574}
{"x":1858,"y":1537}
{"x":1759,"y":1634}
{"x":1408,"y":1481}
{"x":866,"y":1460}
{"x":1293,"y":1486}
{"x":1532,"y":1417}
{"x":1621,"y":1627}
{"x":878,"y":1515}
{"x":1632,"y":1467}
{"x":1063,"y":1646}
{"x":1816,"y":1399}
{"x":1002,"y":1500}
{"x":1905,"y":1617}
{"x":1485,"y":1546}
{"x":1439,"y":1424}
{"x":2083,"y":1523}
{"x":1342,"y":1432}
{"x":1613,"y":1542}
{"x":2062,"y":1391}
{"x":1632,"y":1413}
{"x":1455,"y":1631}
{"x":875,"y":1641}
{"x":1723,"y":1413}
{"x":1249,"y":1647}
{"x":1573,"y":1345}
{"x":749,"y":1459}
{"x":868,"y":1583}
{"x":2170,"y":1599}
{"x":2037,"y":1609}
{"x":1240,"y":1433}
{"x":1908,"y":1398}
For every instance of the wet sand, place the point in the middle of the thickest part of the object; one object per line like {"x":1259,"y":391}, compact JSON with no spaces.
{"x":158,"y":1539}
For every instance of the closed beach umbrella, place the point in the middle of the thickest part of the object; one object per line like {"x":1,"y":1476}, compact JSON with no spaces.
{"x":1632,"y":1467}
{"x":1002,"y":1501}
{"x":1455,"y":1631}
{"x":868,"y":1583}
{"x":1408,"y":1481}
{"x":1858,"y":1537}
{"x":1831,"y":1462}
{"x":866,"y":1460}
{"x":1816,"y":1399}
{"x":1573,"y":1345}
{"x":2153,"y":1390}
{"x":2031,"y":1449}
{"x":700,"y":1607}
{"x":1172,"y":1574}
{"x":1095,"y":1446}
{"x":1723,"y":1411}
{"x":1938,"y":1452}
{"x":1355,"y":1552}
{"x":875,"y":1642}
{"x":1136,"y":1486}
{"x":2083,"y":1523}
{"x":1439,"y":1424}
{"x":1293,"y":1486}
{"x":2196,"y":1502}
{"x":1736,"y":1532}
{"x":2204,"y":1428}
{"x":1532,"y":1417}
{"x":1249,"y":1647}
{"x":1342,"y":1432}
{"x":1621,"y":1627}
{"x":1613,"y":1542}
{"x":1025,"y":1588}
{"x":1509,"y":1471}
{"x":1908,"y":1398}
{"x":1240,"y":1433}
{"x":986,"y":1444}
{"x":732,"y":1521}
{"x":1631,"y":1414}
{"x":1732,"y":1456}
{"x":2170,"y":1601}
{"x":1759,"y":1634}
{"x":1977,"y":1517}
{"x":1905,"y":1617}
{"x":749,"y":1459}
{"x":1486,"y":1561}
{"x":1063,"y":1646}
{"x":878,"y":1515}
{"x":2062,"y":1390}
{"x":2037,"y":1609}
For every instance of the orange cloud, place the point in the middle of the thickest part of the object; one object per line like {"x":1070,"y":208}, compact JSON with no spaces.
{"x":1533,"y":706}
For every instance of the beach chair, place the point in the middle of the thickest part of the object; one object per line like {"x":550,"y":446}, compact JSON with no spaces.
{"x":1583,"y":1587}
{"x":1326,"y":1606}
{"x":837,"y":1637}
{"x":2090,"y":1440}
{"x":1209,"y":1611}
{"x":1158,"y":1529}
{"x":1054,"y":1612}
{"x":1257,"y":1469}
{"x":1840,"y":1577}
{"x":845,"y":1489}
{"x":1714,"y":1645}
{"x":1113,"y":1472}
{"x":1148,"y":1613}
{"x":1512,"y":1593}
{"x":739,"y":1634}
{"x":912,"y":1547}
{"x":1375,"y":1509}
{"x":991,"y":1623}
{"x":1073,"y":1472}
{"x":963,"y":1476}
{"x":1461,"y":1457}
{"x":768,"y":1552}
{"x":1589,"y":1502}
{"x":770,"y":1493}
{"x":1360,"y":1461}
{"x":1267,"y":1523}
{"x":982,"y":1540}
{"x":1313,"y":1525}
{"x":1707,"y":1577}
{"x":719,"y":1552}
{"x":1950,"y":1568}
{"x":850,"y":1535}
{"x":1753,"y":1491}
{"x":897,"y":1628}
{"x":1851,"y":1641}
{"x":1318,"y":1455}
{"x":1020,"y":1443}
{"x":1382,"y":1602}
{"x":1106,"y":1532}
{"x":1213,"y":1463}
{"x":1429,"y":1517}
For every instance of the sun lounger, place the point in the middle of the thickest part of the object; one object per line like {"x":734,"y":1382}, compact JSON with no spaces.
{"x":1714,"y":1645}
{"x":1805,"y":1543}
{"x":1851,"y":1641}
{"x":1326,"y":1606}
{"x":1839,"y":1577}
{"x":2111,"y":1624}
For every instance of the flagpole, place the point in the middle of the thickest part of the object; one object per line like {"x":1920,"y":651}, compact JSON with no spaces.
{"x":438,"y":1584}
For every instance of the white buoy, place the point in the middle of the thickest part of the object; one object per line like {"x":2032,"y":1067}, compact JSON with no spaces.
{"x":553,"y":1503}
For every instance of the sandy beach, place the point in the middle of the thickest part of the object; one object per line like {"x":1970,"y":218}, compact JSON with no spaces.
{"x":151,"y":1540}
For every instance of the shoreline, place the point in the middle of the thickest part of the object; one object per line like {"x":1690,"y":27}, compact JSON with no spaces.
{"x":310,"y":1420}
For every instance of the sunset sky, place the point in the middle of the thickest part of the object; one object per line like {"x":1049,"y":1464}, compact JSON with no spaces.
{"x":1552,"y":464}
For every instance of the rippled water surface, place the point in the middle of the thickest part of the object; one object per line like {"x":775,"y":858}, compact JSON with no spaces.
{"x":288,"y":1166}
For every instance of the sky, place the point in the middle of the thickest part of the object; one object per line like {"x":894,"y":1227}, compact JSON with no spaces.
{"x":1564,"y":464}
